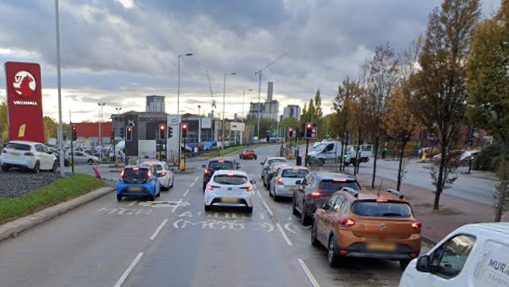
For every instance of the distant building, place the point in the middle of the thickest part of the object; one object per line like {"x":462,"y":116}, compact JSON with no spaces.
{"x":291,"y":111}
{"x":267,"y":110}
{"x":89,"y":132}
{"x":155,"y":104}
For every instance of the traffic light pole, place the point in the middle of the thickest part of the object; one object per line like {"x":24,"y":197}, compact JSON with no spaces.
{"x":72,"y":156}
{"x":307,"y":149}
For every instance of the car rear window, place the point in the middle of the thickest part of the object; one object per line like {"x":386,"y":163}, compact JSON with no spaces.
{"x":221,"y":164}
{"x":157,"y":167}
{"x":381,"y":209}
{"x":230,"y":179}
{"x":335,"y":185}
{"x":300,"y":173}
{"x":138,"y":175}
{"x":18,"y":146}
{"x":276,"y":160}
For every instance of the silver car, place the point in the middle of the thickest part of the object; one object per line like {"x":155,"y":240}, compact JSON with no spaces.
{"x":286,"y":180}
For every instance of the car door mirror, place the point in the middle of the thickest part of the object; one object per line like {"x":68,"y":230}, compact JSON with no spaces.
{"x":424,"y":264}
{"x":261,"y":163}
{"x":252,"y":181}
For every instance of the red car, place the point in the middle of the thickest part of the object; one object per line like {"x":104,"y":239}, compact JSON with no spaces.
{"x":248,"y":154}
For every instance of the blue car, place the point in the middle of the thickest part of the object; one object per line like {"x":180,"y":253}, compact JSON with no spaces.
{"x":138,"y":181}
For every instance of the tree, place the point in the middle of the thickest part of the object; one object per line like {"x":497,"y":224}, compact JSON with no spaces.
{"x":4,"y":126}
{"x":501,"y":196}
{"x":290,"y":123}
{"x":438,"y":100}
{"x":399,"y":122}
{"x":304,"y":115}
{"x":342,"y":114}
{"x":487,"y":80}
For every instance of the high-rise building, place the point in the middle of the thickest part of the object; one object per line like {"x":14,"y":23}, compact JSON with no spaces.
{"x":155,"y":104}
{"x":267,"y":110}
{"x":291,"y":111}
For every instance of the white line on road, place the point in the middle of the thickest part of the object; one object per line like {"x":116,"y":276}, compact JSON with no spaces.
{"x":287,"y":227}
{"x":257,"y":192}
{"x":267,"y":207}
{"x":129,"y":270}
{"x":132,"y":203}
{"x":185,"y":193}
{"x":308,"y":273}
{"x":196,"y":179}
{"x":176,"y":206}
{"x":192,"y":184}
{"x":158,"y":229}
{"x":284,"y":234}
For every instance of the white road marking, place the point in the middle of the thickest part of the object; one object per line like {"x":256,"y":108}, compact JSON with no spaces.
{"x":129,"y":270}
{"x":287,"y":227}
{"x":158,"y":229}
{"x":308,"y":273}
{"x":259,"y":194}
{"x":196,"y":179}
{"x":132,"y":203}
{"x":267,"y":207}
{"x":176,"y":206}
{"x":192,"y":184}
{"x":284,"y":234}
{"x":185,"y":193}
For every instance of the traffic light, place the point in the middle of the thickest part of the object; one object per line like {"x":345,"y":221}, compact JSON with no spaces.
{"x":121,"y":133}
{"x":170,"y":132}
{"x":309,"y":130}
{"x":112,"y":135}
{"x":65,"y":135}
{"x":290,"y":132}
{"x":74,"y":133}
{"x":185,"y":127}
{"x":129,"y":134}
{"x":162,"y":129}
{"x":267,"y":136}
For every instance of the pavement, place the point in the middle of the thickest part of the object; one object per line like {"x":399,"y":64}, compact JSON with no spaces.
{"x":173,"y":241}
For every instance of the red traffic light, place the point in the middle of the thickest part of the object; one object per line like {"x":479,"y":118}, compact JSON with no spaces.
{"x":290,"y":129}
{"x":184,"y":126}
{"x":73,"y":128}
{"x":129,"y":129}
{"x":161,"y":127}
{"x":309,"y":125}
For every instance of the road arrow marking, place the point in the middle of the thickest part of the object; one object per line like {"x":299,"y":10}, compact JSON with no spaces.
{"x":287,"y":227}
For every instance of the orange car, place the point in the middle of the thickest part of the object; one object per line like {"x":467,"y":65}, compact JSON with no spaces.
{"x":368,"y":224}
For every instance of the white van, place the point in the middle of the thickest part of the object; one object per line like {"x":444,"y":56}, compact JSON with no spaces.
{"x":474,"y":255}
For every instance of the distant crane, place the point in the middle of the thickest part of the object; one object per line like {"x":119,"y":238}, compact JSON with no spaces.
{"x":259,"y":74}
{"x":211,"y":94}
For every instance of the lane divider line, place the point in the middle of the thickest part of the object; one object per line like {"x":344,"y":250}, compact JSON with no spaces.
{"x":306,"y":270}
{"x":185,"y":193}
{"x":129,"y":270}
{"x":158,"y":229}
{"x":259,"y":194}
{"x":132,"y":203}
{"x":176,"y":206}
{"x":196,"y":179}
{"x":192,"y":183}
{"x":267,"y":207}
{"x":283,"y":233}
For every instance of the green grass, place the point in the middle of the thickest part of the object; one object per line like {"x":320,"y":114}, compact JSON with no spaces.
{"x":234,"y":149}
{"x":57,"y":192}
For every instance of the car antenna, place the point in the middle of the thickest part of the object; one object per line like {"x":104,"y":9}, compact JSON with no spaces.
{"x":380,"y":187}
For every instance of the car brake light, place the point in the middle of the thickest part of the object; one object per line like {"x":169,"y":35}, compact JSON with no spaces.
{"x":163,"y":173}
{"x":266,"y":167}
{"x":211,"y":187}
{"x":417,"y":225}
{"x":29,"y":153}
{"x":122,"y":176}
{"x":207,"y":171}
{"x":339,"y":180}
{"x":149,"y":175}
{"x":280,"y":181}
{"x":220,"y":161}
{"x":346,"y":222}
{"x":249,"y":188}
{"x":413,"y":255}
{"x":381,"y":200}
{"x":230,"y":175}
{"x":135,"y":168}
{"x":315,"y":194}
{"x":4,"y":151}
{"x":343,"y":252}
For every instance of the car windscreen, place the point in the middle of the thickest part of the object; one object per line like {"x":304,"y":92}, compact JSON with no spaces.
{"x":271,"y":161}
{"x":230,"y":179}
{"x":335,"y":185}
{"x":135,"y":175}
{"x":381,"y":209}
{"x":249,"y":151}
{"x":18,"y":146}
{"x":299,"y":173}
{"x":221,"y":165}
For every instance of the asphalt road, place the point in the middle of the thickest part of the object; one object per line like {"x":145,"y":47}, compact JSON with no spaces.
{"x":107,"y":243}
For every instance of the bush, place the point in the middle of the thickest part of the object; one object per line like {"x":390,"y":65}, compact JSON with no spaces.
{"x":491,"y":156}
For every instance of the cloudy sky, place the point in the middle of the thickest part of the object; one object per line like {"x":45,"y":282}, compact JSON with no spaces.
{"x":119,"y":51}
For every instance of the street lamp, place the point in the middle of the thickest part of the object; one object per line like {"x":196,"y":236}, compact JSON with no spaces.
{"x":243,"y":98}
{"x":120,"y":128}
{"x":100,"y":141}
{"x":178,"y":101}
{"x":224,"y":96}
{"x":59,"y":83}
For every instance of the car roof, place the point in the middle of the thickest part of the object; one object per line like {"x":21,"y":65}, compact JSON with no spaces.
{"x":24,"y":142}
{"x":292,"y":167}
{"x":227,"y":171}
{"x":502,"y":227}
{"x":332,"y":175}
{"x":375,"y":194}
{"x":229,"y":158}
{"x":134,"y":166}
{"x":276,"y":157}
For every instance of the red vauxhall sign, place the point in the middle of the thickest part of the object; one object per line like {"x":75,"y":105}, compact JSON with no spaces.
{"x":24,"y":101}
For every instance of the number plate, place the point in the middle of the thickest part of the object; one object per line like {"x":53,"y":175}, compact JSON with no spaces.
{"x":135,"y":189}
{"x":381,"y":247}
{"x":291,"y":190}
{"x":229,"y":200}
{"x":15,"y":154}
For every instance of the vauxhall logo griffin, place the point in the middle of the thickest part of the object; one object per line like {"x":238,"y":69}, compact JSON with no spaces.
{"x":24,"y":85}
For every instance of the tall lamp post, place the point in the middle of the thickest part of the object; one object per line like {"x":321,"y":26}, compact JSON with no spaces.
{"x":100,"y":141}
{"x":178,"y":103}
{"x":115,"y":158}
{"x":60,"y":124}
{"x":224,"y":97}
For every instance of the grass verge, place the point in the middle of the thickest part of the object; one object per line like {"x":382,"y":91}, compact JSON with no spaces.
{"x":233,"y":149}
{"x":57,"y":192}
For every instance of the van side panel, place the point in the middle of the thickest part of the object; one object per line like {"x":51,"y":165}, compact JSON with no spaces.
{"x":492,"y":268}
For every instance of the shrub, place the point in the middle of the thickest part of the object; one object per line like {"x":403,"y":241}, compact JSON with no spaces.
{"x":491,"y":156}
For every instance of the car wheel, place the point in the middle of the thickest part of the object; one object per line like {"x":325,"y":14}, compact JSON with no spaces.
{"x":172,"y":181}
{"x":37,"y":167}
{"x":403,"y":264}
{"x":90,"y":161}
{"x":314,"y":240}
{"x":249,"y":210}
{"x":208,"y":207}
{"x":119,"y":197}
{"x":5,"y":168}
{"x":304,"y":218}
{"x":332,"y":256}
{"x":151,"y":197}
{"x":54,"y":168}
{"x":294,"y":207}
{"x":159,"y":193}
{"x":204,"y":187}
{"x":276,"y":198}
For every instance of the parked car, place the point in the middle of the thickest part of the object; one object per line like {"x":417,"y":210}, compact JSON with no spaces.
{"x":67,"y":158}
{"x":215,"y":164}
{"x":286,"y":180}
{"x":248,"y":154}
{"x":271,"y":172}
{"x":138,"y":181}
{"x":266,"y":164}
{"x":83,"y":157}
{"x":472,"y":255}
{"x":164,"y":174}
{"x":367,"y":224}
{"x":230,"y":188}
{"x":29,"y":155}
{"x":316,"y":189}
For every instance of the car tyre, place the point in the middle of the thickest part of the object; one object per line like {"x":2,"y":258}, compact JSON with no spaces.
{"x":119,"y":197}
{"x":275,"y":196}
{"x":37,"y":167}
{"x":332,"y":256}
{"x":314,"y":240}
{"x":208,"y":207}
{"x":90,"y":161}
{"x":204,"y":187}
{"x":172,"y":181}
{"x":151,"y":197}
{"x":403,"y":264}
{"x":304,"y":218}
{"x":5,"y":168}
{"x":249,"y":210}
{"x":54,"y":168}
{"x":294,"y":207}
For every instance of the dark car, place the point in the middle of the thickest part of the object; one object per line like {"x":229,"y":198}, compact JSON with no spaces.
{"x":67,"y":158}
{"x":316,"y":189}
{"x":248,"y":154}
{"x":215,"y":164}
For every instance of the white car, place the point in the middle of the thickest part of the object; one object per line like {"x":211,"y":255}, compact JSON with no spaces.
{"x":28,"y":155}
{"x":164,"y":174}
{"x":231,"y":188}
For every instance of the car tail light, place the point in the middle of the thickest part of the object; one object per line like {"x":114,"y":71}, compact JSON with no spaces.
{"x":339,"y":180}
{"x":163,"y":173}
{"x":343,"y":252}
{"x":122,"y":176}
{"x":149,"y":175}
{"x":207,"y":171}
{"x":280,"y":181}
{"x":417,"y":225}
{"x":136,"y":168}
{"x":413,"y":255}
{"x":4,"y":151}
{"x":265,"y":167}
{"x":211,"y":187}
{"x":249,"y":188}
{"x":29,"y":153}
{"x":315,"y":194}
{"x":346,"y":222}
{"x":230,"y":175}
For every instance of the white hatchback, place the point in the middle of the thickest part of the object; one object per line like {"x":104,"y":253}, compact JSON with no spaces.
{"x":164,"y":174}
{"x":230,"y":188}
{"x":28,"y":155}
